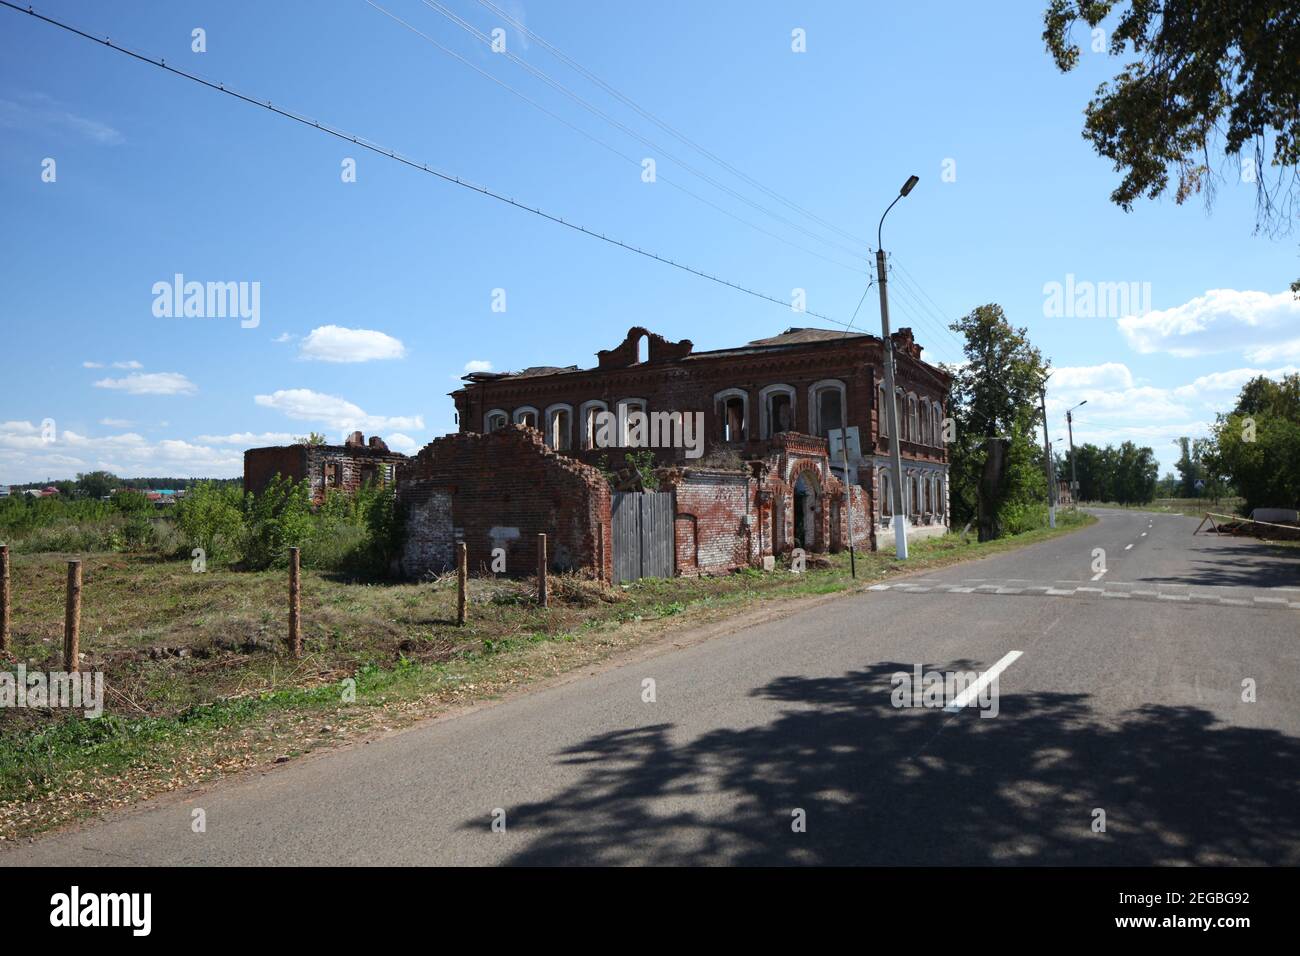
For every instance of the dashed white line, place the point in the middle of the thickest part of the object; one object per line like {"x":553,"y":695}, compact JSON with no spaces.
{"x":1097,"y":576}
{"x":1128,"y":547}
{"x":972,"y":691}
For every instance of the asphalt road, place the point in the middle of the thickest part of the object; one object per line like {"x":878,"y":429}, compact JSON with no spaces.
{"x":1125,"y":697}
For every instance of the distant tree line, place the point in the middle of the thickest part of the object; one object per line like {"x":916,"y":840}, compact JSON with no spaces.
{"x":1125,"y":475}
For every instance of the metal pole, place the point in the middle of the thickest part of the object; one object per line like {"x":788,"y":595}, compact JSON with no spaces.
{"x":1074,"y":478}
{"x":896,"y":479}
{"x":1047,"y":463}
{"x":72,"y":620}
{"x":295,"y":603}
{"x":848,"y":497}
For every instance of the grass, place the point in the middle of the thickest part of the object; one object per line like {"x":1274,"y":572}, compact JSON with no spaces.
{"x":198,"y":683}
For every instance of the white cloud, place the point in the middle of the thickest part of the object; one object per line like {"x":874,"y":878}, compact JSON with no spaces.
{"x":131,"y":363}
{"x":403,"y":443}
{"x":151,"y":383}
{"x":1262,"y":326}
{"x":478,"y":365}
{"x":306,"y":405}
{"x":40,"y":112}
{"x":129,"y":455}
{"x":92,"y":364}
{"x":333,"y":343}
{"x":249,"y":439}
{"x":116,"y":423}
{"x":283,"y":337}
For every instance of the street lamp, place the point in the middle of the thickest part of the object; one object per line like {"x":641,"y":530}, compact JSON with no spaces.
{"x":896,"y":477}
{"x":1074,"y":479}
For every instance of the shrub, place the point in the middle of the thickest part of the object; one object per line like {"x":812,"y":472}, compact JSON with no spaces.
{"x":276,"y":520}
{"x":211,"y":517}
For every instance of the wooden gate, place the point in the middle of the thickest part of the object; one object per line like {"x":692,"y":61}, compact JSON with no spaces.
{"x":642,"y":526}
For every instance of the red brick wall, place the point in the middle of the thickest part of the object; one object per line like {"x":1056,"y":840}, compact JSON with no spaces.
{"x":261,"y":465}
{"x":506,"y":488}
{"x":712,"y":534}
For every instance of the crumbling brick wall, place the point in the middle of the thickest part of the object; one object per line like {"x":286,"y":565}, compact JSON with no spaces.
{"x":343,"y":467}
{"x":501,"y":490}
{"x":714,"y":521}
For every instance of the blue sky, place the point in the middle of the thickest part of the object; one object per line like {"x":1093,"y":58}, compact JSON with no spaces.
{"x":157,"y":176}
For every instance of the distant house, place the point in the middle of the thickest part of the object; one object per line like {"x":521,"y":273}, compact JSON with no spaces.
{"x":49,"y":492}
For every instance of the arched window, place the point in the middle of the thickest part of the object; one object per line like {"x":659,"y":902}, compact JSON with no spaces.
{"x":827,"y":406}
{"x":777,"y":410}
{"x":884,"y":496}
{"x":913,"y":429}
{"x":732,"y":406}
{"x":559,"y":427}
{"x":497,"y":418}
{"x":527,"y":415}
{"x":626,"y":407}
{"x":924,"y":435}
{"x":936,"y":412}
{"x":882,"y":411}
{"x":587,"y":415}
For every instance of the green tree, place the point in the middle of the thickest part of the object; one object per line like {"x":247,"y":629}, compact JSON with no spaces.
{"x":1206,"y":77}
{"x":275,"y":520}
{"x":1257,"y":444}
{"x":211,"y":517}
{"x":96,"y":484}
{"x":994,"y":405}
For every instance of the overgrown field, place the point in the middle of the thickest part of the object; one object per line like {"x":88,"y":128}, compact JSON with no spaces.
{"x":198,"y":681}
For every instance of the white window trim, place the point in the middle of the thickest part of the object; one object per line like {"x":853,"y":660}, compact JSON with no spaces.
{"x":523,"y":410}
{"x":586,"y":433}
{"x":546,"y":420}
{"x":815,"y":408}
{"x":719,"y":400}
{"x":765,"y":423}
{"x":624,"y":405}
{"x":487,"y":418}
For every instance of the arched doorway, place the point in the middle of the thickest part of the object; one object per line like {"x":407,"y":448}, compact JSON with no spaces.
{"x":807,"y":489}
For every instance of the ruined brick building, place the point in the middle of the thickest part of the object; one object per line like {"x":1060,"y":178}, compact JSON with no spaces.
{"x":343,"y":467}
{"x":757,"y":400}
{"x":762,"y":471}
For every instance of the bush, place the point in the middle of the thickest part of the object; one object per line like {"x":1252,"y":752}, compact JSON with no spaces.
{"x":276,"y":520}
{"x":211,"y":517}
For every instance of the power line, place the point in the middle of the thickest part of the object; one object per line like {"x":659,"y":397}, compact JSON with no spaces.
{"x":601,"y":143}
{"x":676,"y":134}
{"x":391,"y":154}
{"x":623,"y":127}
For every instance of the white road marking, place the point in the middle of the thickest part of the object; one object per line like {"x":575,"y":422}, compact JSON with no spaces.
{"x":1097,"y":576}
{"x":972,"y":690}
{"x":1142,"y":535}
{"x":1128,"y":547}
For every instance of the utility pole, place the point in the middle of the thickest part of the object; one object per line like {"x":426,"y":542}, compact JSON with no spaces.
{"x":1047,"y":454}
{"x":848,"y":495}
{"x":1074,"y":477}
{"x":899,"y":518}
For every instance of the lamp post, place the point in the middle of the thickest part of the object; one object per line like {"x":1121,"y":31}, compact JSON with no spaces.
{"x":1074,"y":478}
{"x":896,"y":477}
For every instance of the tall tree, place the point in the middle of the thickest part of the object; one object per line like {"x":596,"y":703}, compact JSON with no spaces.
{"x":1209,"y":76}
{"x":994,"y":401}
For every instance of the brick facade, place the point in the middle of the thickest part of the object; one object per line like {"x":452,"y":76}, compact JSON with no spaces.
{"x":343,"y":467}
{"x":501,"y":490}
{"x":757,"y":401}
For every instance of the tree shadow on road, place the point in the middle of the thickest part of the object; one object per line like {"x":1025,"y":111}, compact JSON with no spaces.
{"x":885,"y":786}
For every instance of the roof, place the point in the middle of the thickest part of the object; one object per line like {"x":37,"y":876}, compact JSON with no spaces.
{"x":803,"y":336}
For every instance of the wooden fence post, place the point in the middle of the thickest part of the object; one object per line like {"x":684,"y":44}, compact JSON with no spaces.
{"x":4,"y":598}
{"x":72,"y":620}
{"x":462,"y":580}
{"x":295,"y":604}
{"x":541,"y":570}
